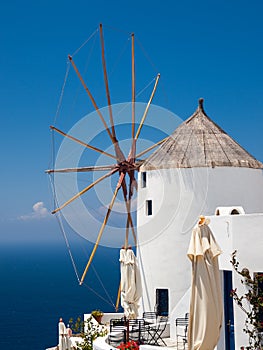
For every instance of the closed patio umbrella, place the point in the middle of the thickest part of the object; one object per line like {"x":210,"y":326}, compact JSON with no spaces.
{"x":206,"y":307}
{"x":131,"y":289}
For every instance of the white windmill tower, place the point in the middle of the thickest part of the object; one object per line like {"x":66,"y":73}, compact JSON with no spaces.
{"x":197,"y":169}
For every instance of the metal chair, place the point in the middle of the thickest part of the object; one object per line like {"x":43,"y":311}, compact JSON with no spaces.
{"x":118,"y":332}
{"x":156,"y":331}
{"x":117,"y":322}
{"x":137,"y":330}
{"x":181,"y":324}
{"x":149,"y":317}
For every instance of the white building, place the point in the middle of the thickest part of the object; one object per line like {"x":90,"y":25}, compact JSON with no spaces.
{"x":198,"y":169}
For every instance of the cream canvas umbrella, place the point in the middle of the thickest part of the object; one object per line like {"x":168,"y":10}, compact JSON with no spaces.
{"x":206,"y":308}
{"x":131,"y":289}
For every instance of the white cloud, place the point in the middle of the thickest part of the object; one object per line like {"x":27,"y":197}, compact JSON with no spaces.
{"x":39,"y":212}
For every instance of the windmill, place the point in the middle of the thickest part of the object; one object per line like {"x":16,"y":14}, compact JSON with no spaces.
{"x":125,"y":166}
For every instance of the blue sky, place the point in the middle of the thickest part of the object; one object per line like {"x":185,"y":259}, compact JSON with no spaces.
{"x":209,"y":49}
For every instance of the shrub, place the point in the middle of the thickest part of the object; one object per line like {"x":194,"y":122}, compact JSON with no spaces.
{"x":88,"y":331}
{"x":253,"y":307}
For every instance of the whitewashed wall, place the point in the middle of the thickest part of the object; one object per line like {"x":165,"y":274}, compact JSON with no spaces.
{"x":179,"y":196}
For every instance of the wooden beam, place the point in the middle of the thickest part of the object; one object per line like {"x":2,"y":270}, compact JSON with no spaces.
{"x":81,"y":142}
{"x":150,"y":148}
{"x":102,"y":227}
{"x":133,"y":87}
{"x":126,"y":243}
{"x":147,"y":107}
{"x":82,"y":169}
{"x":91,"y":98}
{"x":106,"y":82}
{"x":85,"y":190}
{"x":129,"y":217}
{"x":118,"y":298}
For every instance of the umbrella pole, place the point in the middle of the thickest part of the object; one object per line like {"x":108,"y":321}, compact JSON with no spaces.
{"x":128,"y":335}
{"x":127,"y":329}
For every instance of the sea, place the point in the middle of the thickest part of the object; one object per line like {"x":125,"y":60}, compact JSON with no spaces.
{"x":39,"y":285}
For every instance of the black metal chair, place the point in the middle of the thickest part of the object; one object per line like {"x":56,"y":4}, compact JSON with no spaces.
{"x":137,"y":330}
{"x":156,"y":331}
{"x":118,"y":332}
{"x":181,"y":324}
{"x":117,"y":322}
{"x":149,"y":317}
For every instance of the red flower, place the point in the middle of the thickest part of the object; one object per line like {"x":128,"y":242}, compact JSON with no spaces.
{"x":130,"y":345}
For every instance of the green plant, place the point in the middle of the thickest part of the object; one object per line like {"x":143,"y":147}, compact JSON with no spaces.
{"x":97,"y":313}
{"x":253,"y":306}
{"x":77,"y":326}
{"x":88,"y":331}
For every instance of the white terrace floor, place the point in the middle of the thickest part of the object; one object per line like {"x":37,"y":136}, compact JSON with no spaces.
{"x":101,"y":344}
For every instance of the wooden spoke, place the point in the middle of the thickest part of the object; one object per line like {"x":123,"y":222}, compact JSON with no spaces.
{"x":133,"y":87}
{"x":128,"y":208}
{"x":82,"y":143}
{"x":147,"y":107}
{"x":129,"y":222}
{"x":84,"y":190}
{"x":132,"y":228}
{"x":133,"y":147}
{"x":138,"y":163}
{"x":82,"y":169}
{"x":118,"y":298}
{"x":127,"y":231}
{"x":103,"y":227}
{"x":132,"y":184}
{"x":119,"y":154}
{"x":106,"y":82}
{"x":124,"y":190}
{"x":135,"y":184}
{"x":150,"y":148}
{"x":91,"y":98}
{"x":131,"y":156}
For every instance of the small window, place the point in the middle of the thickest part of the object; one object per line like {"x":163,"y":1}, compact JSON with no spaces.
{"x":234,"y":212}
{"x":162,"y":302}
{"x":149,"y":207}
{"x":143,"y":179}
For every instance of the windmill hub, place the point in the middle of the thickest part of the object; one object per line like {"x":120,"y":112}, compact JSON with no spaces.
{"x":126,"y":166}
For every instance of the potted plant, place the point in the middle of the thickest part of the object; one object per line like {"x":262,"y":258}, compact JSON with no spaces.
{"x":97,"y":314}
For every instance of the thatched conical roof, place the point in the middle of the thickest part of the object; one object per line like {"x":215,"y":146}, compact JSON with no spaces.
{"x":199,"y":142}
